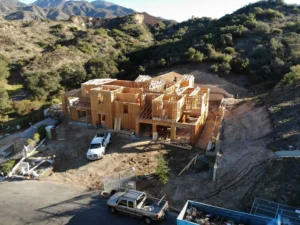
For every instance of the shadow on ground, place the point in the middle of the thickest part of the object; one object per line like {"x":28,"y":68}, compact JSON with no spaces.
{"x":90,"y":209}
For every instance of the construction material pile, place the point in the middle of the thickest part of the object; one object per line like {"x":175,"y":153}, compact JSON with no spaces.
{"x":199,"y":217}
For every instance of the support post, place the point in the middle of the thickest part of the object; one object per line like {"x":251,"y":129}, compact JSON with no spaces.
{"x":173,"y":132}
{"x":137,"y":127}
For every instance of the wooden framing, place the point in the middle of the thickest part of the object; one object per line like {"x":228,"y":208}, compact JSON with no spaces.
{"x":125,"y":105}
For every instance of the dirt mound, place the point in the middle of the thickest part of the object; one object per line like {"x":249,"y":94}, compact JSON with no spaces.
{"x":246,"y":124}
{"x":216,"y":83}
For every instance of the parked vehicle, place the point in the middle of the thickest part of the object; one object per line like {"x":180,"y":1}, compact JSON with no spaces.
{"x":98,"y":146}
{"x":137,"y":204}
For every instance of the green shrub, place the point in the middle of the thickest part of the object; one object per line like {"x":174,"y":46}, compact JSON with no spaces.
{"x":276,"y":31}
{"x":262,"y":28}
{"x":226,"y":39}
{"x":229,"y":50}
{"x":224,"y":68}
{"x":235,"y":30}
{"x":5,"y":103}
{"x":85,"y":47}
{"x":41,"y":131}
{"x":239,"y":65}
{"x":36,"y":137}
{"x":4,"y":70}
{"x":57,"y":30}
{"x":101,"y":31}
{"x":292,"y":77}
{"x":214,"y":68}
{"x":267,"y":14}
{"x":220,"y":58}
{"x":26,"y":106}
{"x":162,"y":170}
{"x":141,"y":69}
{"x":161,"y":62}
{"x":8,"y":166}
{"x":194,"y":56}
{"x":117,"y":33}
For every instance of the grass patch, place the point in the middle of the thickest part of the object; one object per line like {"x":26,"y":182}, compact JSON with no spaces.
{"x":8,"y":166}
{"x":13,"y":89}
{"x":23,"y":121}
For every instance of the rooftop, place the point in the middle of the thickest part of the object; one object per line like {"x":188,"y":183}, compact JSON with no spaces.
{"x":132,"y":194}
{"x":98,"y":81}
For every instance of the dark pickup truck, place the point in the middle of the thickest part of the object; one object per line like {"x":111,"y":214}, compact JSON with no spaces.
{"x":136,"y":203}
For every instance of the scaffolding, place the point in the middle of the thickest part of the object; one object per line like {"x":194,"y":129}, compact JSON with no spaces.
{"x":287,"y":214}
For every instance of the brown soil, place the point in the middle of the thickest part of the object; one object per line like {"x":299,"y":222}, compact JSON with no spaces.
{"x":242,"y":160}
{"x":72,"y":166}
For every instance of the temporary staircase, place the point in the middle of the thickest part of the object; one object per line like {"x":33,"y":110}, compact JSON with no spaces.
{"x":146,"y":112}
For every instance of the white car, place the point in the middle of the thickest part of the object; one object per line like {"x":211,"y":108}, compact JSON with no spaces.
{"x":98,"y":146}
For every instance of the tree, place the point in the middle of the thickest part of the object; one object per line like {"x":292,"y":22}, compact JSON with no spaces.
{"x":72,"y":75}
{"x":161,"y":62}
{"x":229,"y":50}
{"x":194,"y":56}
{"x":4,"y":70}
{"x":141,"y":69}
{"x":239,"y":65}
{"x":224,"y":68}
{"x":5,"y":103}
{"x":102,"y":67}
{"x":214,"y":68}
{"x":26,"y":106}
{"x":162,"y":170}
{"x":43,"y":85}
{"x":226,"y":39}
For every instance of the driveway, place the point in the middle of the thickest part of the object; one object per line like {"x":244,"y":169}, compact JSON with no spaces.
{"x":9,"y":140}
{"x":38,"y":202}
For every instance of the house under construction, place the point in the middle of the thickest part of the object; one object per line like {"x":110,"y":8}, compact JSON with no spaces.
{"x":170,"y":104}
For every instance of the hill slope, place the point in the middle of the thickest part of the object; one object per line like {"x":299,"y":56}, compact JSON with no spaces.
{"x":60,"y":9}
{"x":260,"y":40}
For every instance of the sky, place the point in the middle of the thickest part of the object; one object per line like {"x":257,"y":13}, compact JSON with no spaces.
{"x":180,"y":10}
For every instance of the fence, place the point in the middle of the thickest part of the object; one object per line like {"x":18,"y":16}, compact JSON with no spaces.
{"x":124,"y":179}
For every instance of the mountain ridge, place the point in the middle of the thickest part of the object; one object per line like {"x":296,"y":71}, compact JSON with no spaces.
{"x":60,"y":9}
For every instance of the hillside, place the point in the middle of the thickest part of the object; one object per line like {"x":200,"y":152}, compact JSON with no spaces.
{"x":261,"y":41}
{"x":60,"y":9}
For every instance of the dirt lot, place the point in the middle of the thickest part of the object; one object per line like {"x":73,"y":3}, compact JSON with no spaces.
{"x":243,"y":159}
{"x":72,"y":166}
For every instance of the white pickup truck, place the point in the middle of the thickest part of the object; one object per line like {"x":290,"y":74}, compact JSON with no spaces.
{"x":98,"y":146}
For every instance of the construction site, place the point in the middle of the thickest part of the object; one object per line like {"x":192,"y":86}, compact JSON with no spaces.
{"x":215,"y":145}
{"x":168,"y":107}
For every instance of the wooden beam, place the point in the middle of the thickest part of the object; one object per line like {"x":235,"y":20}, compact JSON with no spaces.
{"x":189,"y":164}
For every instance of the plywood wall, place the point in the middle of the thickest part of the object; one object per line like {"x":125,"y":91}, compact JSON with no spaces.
{"x":125,"y":83}
{"x":74,"y":116}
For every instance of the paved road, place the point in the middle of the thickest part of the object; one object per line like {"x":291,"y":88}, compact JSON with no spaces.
{"x":8,"y":141}
{"x":38,"y":202}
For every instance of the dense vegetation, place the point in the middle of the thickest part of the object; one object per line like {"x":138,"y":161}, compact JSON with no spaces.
{"x":261,"y":40}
